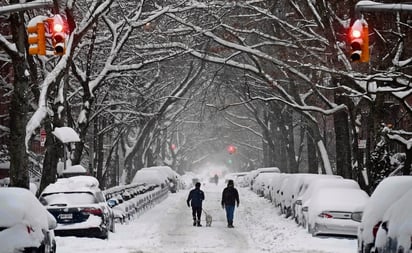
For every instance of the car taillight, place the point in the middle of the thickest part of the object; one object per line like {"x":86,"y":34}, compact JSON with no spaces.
{"x":325,"y":215}
{"x":375,"y":229}
{"x":94,"y":211}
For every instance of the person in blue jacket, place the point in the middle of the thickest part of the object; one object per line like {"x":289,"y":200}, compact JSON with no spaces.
{"x":230,"y":198}
{"x":195,"y":199}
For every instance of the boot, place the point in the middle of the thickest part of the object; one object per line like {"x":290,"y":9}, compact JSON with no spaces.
{"x":194,"y":222}
{"x":230,"y":224}
{"x":198,"y":223}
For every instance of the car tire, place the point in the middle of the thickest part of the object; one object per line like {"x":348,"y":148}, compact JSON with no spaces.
{"x":105,"y":234}
{"x":310,"y":229}
{"x":314,"y":229}
{"x":367,"y":248}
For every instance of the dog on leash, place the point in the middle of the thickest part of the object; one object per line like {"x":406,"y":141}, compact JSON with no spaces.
{"x":209,"y":219}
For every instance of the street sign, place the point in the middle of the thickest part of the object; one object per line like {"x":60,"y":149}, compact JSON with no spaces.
{"x":362,"y":144}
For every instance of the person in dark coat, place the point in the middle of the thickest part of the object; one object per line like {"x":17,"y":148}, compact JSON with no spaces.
{"x":195,"y":199}
{"x":230,"y":198}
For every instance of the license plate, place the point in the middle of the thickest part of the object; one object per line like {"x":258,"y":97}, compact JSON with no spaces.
{"x":66,"y":216}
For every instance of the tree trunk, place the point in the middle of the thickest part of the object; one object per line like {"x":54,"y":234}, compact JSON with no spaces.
{"x":312,"y":156}
{"x":19,"y":173}
{"x":51,"y":158}
{"x":343,"y":158}
{"x":407,"y":165}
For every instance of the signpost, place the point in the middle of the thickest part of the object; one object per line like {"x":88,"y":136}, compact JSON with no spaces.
{"x":42,"y":137}
{"x":66,"y":135}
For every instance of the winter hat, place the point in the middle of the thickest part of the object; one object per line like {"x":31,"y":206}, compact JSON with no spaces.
{"x":197,"y":185}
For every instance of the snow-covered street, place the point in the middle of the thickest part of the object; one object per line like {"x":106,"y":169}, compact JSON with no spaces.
{"x":167,"y":227}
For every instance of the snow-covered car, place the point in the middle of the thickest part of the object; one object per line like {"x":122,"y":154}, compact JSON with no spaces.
{"x":336,"y":211}
{"x":395,"y":231}
{"x":320,"y":185}
{"x":295,"y":187}
{"x":259,"y":171}
{"x":150,"y":177}
{"x":285,"y":196}
{"x":386,"y":193}
{"x":305,"y":187}
{"x":79,"y":207}
{"x":25,"y":225}
{"x":262,"y":182}
{"x":174,"y":179}
{"x":274,"y":188}
{"x":118,"y":208}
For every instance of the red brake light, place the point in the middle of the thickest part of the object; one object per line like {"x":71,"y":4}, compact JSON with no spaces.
{"x":325,"y":215}
{"x":94,"y":211}
{"x":375,"y":228}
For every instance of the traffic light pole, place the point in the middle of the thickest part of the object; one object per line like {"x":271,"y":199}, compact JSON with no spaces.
{"x":26,"y":6}
{"x":371,"y":6}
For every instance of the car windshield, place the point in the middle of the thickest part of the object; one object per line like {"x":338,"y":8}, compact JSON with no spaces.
{"x":68,"y":198}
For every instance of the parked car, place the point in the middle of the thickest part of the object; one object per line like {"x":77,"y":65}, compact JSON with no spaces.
{"x":174,"y":179}
{"x":395,"y":232}
{"x":262,"y":182}
{"x":336,"y":211}
{"x":386,"y":193}
{"x":152,"y":177}
{"x":25,"y":224}
{"x":314,"y":184}
{"x":297,"y":185}
{"x":274,"y":188}
{"x":259,"y":171}
{"x":79,"y":207}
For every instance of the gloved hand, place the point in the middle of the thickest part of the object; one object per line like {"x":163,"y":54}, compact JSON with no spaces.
{"x":237,"y":204}
{"x":188,"y":204}
{"x":223,"y":206}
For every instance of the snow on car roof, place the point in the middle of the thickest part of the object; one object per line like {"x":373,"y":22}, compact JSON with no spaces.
{"x":269,"y":169}
{"x":149,"y":177}
{"x":319,"y":183}
{"x":75,"y":169}
{"x":163,"y":169}
{"x":400,"y":214}
{"x":76,"y":183}
{"x":19,"y":205}
{"x":344,"y":199}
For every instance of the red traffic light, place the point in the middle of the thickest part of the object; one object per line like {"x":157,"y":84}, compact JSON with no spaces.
{"x":59,"y":31}
{"x":356,"y":34}
{"x":231,"y":149}
{"x":359,"y":41}
{"x":57,"y":28}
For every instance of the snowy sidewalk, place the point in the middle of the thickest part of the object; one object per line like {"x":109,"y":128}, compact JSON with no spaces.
{"x":167,"y":227}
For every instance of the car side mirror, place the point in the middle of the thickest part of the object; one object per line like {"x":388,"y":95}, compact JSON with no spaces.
{"x":51,"y":221}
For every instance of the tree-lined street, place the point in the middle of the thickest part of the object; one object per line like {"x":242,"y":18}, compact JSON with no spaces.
{"x":167,"y":227}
